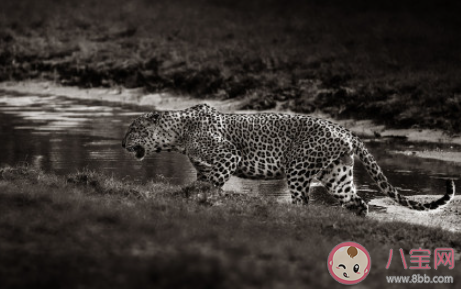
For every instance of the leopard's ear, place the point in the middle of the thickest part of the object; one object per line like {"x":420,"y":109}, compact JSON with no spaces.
{"x":154,"y":116}
{"x":148,"y":118}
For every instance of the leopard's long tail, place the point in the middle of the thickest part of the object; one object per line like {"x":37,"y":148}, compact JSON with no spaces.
{"x":377,"y":175}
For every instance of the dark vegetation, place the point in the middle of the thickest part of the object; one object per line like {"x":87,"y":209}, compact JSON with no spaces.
{"x":396,"y":62}
{"x":89,"y":231}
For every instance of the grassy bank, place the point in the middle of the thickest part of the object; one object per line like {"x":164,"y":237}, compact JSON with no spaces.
{"x":88,"y":230}
{"x":392,"y":61}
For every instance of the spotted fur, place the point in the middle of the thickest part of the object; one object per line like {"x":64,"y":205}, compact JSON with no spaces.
{"x":269,"y":146}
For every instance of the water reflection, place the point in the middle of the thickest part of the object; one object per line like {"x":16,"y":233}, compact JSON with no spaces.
{"x":66,"y":135}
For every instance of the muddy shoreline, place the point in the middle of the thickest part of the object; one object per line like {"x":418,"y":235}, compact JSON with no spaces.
{"x":164,"y":101}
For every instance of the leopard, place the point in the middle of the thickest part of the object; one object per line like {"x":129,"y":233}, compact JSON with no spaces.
{"x":295,"y":147}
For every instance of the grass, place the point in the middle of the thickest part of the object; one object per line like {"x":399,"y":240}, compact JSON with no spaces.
{"x":87,"y":230}
{"x":391,"y":61}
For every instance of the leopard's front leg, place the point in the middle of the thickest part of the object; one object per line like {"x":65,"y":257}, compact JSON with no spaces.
{"x":214,"y":167}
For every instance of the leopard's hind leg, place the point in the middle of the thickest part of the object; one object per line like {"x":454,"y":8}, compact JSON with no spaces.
{"x":299,"y":180}
{"x":338,"y":179}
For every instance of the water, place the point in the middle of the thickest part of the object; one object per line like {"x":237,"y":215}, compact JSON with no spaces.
{"x":66,"y":135}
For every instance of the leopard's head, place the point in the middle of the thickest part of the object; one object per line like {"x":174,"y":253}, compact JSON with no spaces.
{"x":151,"y":132}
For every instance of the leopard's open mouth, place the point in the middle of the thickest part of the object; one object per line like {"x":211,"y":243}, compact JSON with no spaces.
{"x":138,"y":150}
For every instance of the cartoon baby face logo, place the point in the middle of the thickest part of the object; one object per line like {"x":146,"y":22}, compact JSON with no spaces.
{"x":349,"y":263}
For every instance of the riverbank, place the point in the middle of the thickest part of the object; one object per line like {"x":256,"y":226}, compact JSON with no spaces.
{"x":167,"y":101}
{"x":97,"y":232}
{"x":388,"y":61}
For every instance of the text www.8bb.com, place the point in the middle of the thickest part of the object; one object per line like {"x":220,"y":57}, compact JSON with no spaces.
{"x":418,"y":278}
